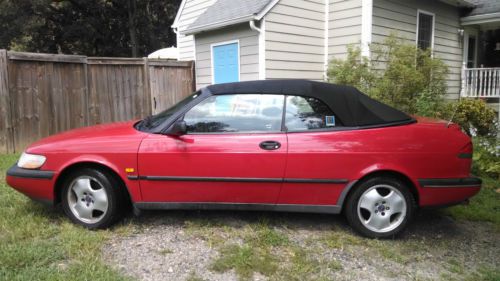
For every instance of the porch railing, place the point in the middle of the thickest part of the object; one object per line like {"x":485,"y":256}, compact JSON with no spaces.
{"x":481,"y":82}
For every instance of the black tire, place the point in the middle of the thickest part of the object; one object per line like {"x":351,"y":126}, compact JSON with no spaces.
{"x":355,"y":219}
{"x":112,"y":188}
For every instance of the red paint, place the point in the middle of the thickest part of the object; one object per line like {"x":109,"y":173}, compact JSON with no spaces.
{"x":34,"y":188}
{"x":423,"y":150}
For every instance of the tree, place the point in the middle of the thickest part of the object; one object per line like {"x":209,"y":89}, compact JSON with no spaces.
{"x":88,"y":27}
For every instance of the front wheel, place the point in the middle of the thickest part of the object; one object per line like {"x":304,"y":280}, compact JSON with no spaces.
{"x":91,"y":198}
{"x":380,"y":207}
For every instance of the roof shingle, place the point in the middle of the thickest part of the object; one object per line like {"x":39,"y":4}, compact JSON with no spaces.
{"x":228,"y":11}
{"x":484,"y":7}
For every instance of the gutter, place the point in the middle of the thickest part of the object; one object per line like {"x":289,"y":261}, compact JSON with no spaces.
{"x":479,"y":19}
{"x":253,"y":27}
{"x":246,"y":18}
{"x":212,"y":26}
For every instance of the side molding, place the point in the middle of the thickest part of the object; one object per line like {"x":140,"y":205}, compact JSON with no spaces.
{"x":327,"y":209}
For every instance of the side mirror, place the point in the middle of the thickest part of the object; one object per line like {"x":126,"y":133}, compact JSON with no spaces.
{"x":179,"y":128}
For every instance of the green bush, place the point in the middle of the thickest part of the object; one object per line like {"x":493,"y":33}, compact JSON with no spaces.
{"x":475,"y":117}
{"x":398,"y":74}
{"x":407,"y":78}
{"x":486,"y":158}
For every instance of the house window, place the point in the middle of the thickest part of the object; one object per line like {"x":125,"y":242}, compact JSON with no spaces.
{"x":425,"y":30}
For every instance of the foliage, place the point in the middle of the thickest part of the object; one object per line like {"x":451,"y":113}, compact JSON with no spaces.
{"x":88,"y":27}
{"x":486,"y":158}
{"x":245,"y":260}
{"x":397,"y":73}
{"x":474,"y":116}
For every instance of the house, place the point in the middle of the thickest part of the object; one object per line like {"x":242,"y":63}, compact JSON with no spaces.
{"x":237,"y":40}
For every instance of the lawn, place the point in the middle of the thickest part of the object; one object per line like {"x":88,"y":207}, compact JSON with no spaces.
{"x":39,"y":243}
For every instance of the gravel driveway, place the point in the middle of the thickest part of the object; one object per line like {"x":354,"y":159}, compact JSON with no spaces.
{"x":192,"y":245}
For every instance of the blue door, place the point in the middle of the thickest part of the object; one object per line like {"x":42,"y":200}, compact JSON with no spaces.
{"x":226,"y":65}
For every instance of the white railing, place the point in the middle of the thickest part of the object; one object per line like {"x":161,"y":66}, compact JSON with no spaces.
{"x":481,"y":82}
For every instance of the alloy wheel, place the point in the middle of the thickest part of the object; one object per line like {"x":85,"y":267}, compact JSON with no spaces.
{"x":87,"y":199}
{"x":382,"y":208}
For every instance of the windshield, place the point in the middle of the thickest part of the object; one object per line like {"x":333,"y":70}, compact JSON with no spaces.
{"x":153,"y":121}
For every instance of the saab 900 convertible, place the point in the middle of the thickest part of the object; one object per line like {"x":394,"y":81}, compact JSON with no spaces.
{"x":282,"y":145}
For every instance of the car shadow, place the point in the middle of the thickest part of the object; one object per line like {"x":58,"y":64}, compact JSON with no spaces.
{"x":426,"y":224}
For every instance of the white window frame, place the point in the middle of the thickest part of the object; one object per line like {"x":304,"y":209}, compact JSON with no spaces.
{"x":433,"y":27}
{"x":237,"y":41}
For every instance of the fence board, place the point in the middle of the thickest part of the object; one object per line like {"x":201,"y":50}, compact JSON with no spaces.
{"x":6,"y":136}
{"x":42,"y":94}
{"x":119,"y":89}
{"x":165,"y":94}
{"x":46,"y":98}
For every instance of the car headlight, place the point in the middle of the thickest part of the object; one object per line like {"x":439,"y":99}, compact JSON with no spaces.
{"x":30,"y":161}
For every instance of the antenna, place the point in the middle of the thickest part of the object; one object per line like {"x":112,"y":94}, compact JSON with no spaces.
{"x":452,"y":116}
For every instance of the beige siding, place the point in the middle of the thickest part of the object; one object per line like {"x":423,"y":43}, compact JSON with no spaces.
{"x":295,"y":40}
{"x":249,"y":52}
{"x":192,"y":9}
{"x":401,"y":16}
{"x":344,"y":26}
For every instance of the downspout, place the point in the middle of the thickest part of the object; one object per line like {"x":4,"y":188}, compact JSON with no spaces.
{"x":262,"y":49}
{"x":253,"y":27}
{"x":176,"y":31}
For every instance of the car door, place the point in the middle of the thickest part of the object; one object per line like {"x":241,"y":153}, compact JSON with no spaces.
{"x":317,"y":167}
{"x":233,"y":152}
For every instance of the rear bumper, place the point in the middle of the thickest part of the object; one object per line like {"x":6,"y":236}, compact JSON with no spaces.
{"x":446,"y":192}
{"x":36,"y":184}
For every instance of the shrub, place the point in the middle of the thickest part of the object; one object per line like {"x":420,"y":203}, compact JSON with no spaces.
{"x":398,"y":74}
{"x":475,"y":117}
{"x":486,"y":158}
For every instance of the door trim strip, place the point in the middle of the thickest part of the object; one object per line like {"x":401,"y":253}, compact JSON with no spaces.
{"x":328,"y":209}
{"x":231,"y":179}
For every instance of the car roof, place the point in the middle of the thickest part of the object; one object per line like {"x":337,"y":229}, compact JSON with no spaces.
{"x":351,"y":106}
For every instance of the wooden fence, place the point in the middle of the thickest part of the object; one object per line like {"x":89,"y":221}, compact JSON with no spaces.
{"x":42,"y":94}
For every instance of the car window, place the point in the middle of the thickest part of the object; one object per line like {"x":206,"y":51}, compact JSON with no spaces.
{"x":154,"y":121}
{"x":236,"y":113}
{"x":305,"y":113}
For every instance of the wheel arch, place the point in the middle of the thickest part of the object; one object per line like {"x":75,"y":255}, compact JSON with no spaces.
{"x":86,"y":164}
{"x":380,"y":173}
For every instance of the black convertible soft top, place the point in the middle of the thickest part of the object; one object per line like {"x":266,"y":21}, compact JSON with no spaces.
{"x":351,"y":106}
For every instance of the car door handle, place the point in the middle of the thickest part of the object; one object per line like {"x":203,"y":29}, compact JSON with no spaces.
{"x":270,"y":145}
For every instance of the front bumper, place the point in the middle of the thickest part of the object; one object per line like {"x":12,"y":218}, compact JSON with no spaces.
{"x":446,"y":192}
{"x":36,"y":184}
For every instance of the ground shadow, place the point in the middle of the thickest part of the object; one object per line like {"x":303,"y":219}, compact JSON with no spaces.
{"x":426,"y":224}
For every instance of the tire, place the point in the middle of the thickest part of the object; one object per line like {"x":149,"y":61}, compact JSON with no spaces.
{"x":92,"y":198}
{"x":380,"y":207}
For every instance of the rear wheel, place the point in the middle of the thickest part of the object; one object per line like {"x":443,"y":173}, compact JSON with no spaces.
{"x":380,"y":207}
{"x":91,"y":198}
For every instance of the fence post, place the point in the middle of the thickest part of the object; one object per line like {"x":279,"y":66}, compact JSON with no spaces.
{"x":86,"y":92}
{"x":6,"y":128}
{"x":147,"y":90}
{"x":193,"y":75}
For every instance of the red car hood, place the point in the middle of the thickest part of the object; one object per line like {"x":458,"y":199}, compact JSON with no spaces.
{"x":101,"y":137}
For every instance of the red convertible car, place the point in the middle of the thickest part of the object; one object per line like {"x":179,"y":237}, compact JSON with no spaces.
{"x":282,"y":145}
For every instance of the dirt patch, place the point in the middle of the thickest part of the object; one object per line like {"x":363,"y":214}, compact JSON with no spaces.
{"x":283,"y":246}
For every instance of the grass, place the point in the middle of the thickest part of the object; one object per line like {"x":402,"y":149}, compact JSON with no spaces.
{"x":259,"y":247}
{"x":165,"y":252}
{"x":39,"y":243}
{"x":245,"y":260}
{"x":485,"y":206}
